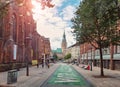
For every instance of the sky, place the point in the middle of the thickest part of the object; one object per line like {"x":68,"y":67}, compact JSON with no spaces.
{"x":52,"y":22}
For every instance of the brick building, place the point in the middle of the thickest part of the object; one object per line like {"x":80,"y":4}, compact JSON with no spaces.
{"x":47,"y":47}
{"x":19,"y":40}
{"x":89,"y":53}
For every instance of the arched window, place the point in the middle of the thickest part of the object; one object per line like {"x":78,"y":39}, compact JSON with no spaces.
{"x":1,"y":27}
{"x":14,"y":27}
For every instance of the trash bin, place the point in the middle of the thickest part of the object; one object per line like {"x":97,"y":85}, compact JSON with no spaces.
{"x":12,"y":76}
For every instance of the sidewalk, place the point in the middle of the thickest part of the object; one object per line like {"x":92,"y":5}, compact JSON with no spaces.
{"x":36,"y":76}
{"x":113,"y":81}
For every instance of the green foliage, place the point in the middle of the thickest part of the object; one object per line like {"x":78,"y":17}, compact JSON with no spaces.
{"x":4,"y":6}
{"x":5,"y":3}
{"x":95,"y":22}
{"x":68,"y":56}
{"x":55,"y":56}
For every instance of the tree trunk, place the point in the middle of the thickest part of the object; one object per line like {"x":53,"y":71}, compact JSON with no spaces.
{"x":93,"y":57}
{"x":101,"y":62}
{"x":111,"y":55}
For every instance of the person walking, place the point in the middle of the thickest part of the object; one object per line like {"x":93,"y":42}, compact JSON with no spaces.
{"x":42,"y":63}
{"x":47,"y":63}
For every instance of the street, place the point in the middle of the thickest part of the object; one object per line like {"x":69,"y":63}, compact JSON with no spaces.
{"x":59,"y":43}
{"x":61,"y":75}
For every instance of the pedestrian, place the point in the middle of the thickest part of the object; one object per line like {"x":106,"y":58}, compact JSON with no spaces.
{"x":42,"y":65}
{"x":37,"y":65}
{"x":48,"y":65}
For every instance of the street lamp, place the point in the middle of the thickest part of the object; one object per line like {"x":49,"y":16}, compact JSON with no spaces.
{"x":2,"y":51}
{"x":91,"y":59}
{"x":28,"y":54}
{"x":37,"y":56}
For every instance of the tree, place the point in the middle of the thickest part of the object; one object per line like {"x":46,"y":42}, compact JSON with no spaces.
{"x":3,"y":9}
{"x":68,"y":56}
{"x":4,"y":5}
{"x":55,"y":56}
{"x":95,"y":23}
{"x":45,"y":3}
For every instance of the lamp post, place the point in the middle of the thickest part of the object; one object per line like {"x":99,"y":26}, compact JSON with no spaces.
{"x":44,"y":54}
{"x":28,"y":54}
{"x":2,"y":51}
{"x":37,"y":56}
{"x":91,"y":59}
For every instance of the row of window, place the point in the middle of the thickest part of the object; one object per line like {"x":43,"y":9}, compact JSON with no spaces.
{"x":107,"y":50}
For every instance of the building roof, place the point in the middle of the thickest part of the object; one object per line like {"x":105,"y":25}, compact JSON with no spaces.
{"x":76,"y":44}
{"x":58,"y":50}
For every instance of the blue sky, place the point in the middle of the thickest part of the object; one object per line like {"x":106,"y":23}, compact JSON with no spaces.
{"x":67,"y":3}
{"x":51,"y":22}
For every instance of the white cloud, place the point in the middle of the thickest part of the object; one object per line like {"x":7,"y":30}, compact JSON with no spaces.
{"x":69,"y":36}
{"x":50,"y":25}
{"x":58,"y":3}
{"x":68,"y":12}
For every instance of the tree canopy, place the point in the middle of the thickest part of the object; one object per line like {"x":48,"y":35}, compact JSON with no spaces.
{"x":4,"y":5}
{"x":95,"y":22}
{"x":68,"y":56}
{"x":55,"y":56}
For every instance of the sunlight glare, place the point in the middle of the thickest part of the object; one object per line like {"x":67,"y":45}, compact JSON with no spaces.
{"x":36,"y":9}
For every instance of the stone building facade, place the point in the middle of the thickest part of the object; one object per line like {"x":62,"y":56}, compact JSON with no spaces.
{"x":75,"y":52}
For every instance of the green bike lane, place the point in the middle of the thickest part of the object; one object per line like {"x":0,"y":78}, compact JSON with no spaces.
{"x":66,"y":76}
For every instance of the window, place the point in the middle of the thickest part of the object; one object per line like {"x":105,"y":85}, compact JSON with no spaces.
{"x":97,"y":52}
{"x":14,"y":27}
{"x":105,"y":51}
{"x":118,"y":49}
{"x":115,"y":49}
{"x":1,"y":27}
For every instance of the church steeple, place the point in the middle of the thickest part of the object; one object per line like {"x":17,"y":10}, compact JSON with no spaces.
{"x":64,"y":37}
{"x":64,"y":43}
